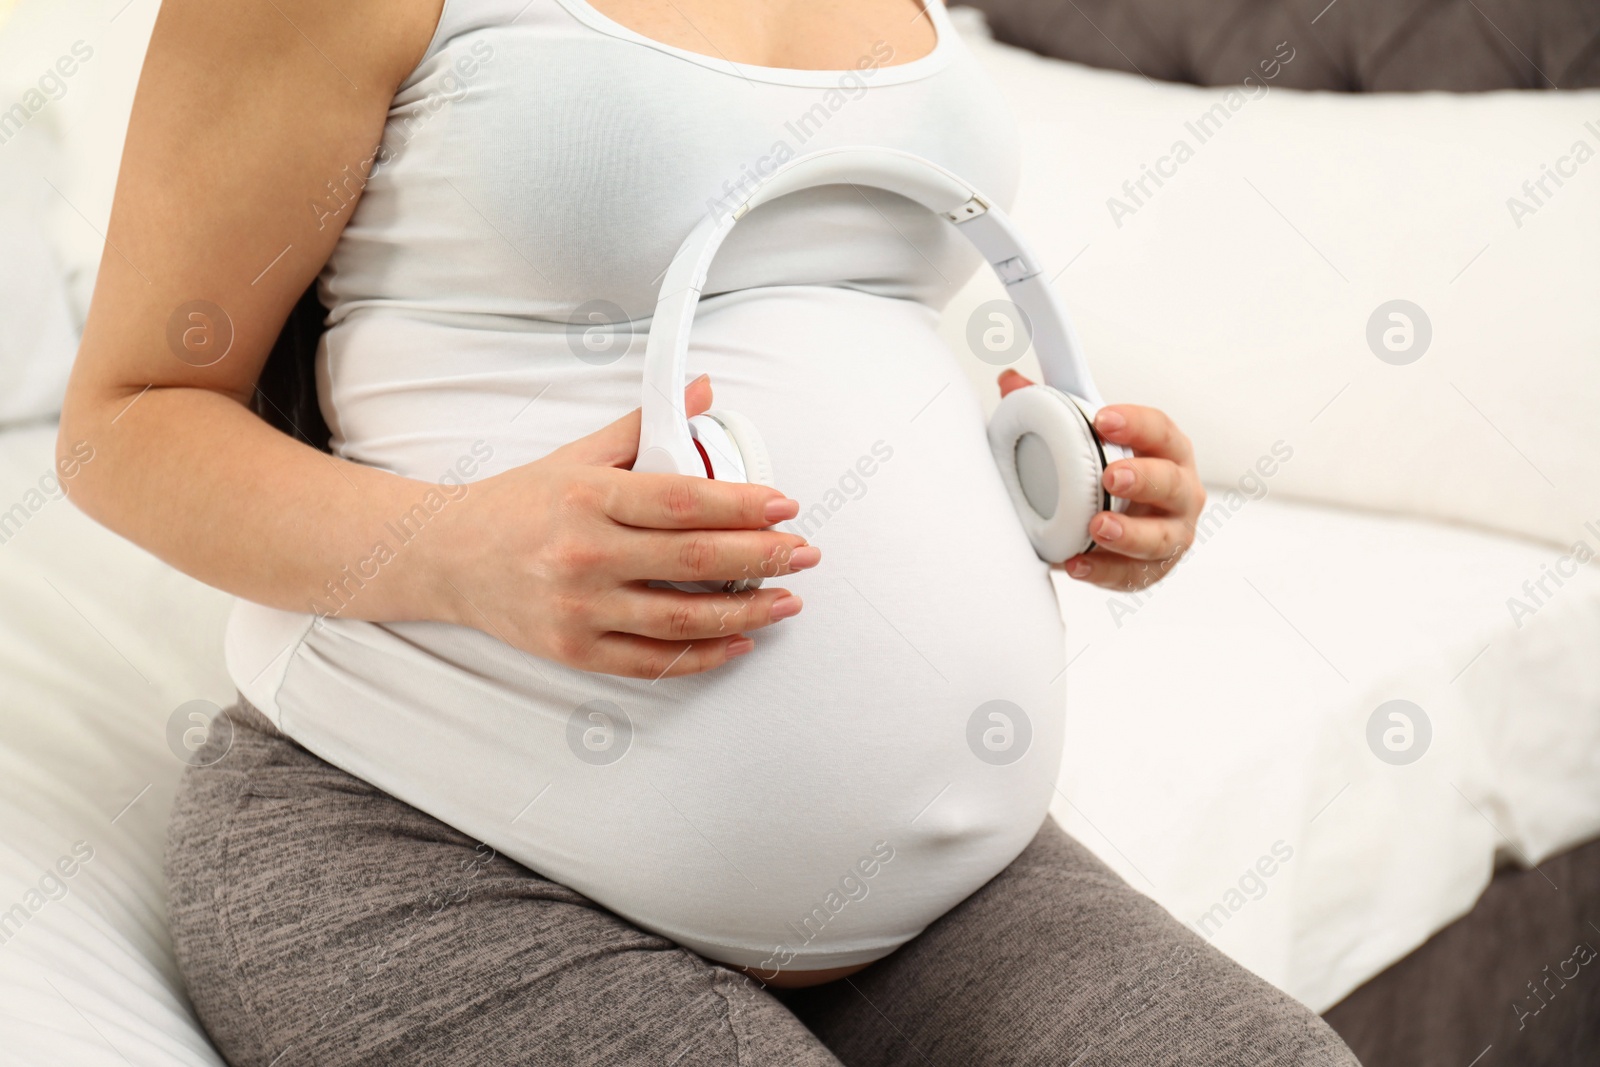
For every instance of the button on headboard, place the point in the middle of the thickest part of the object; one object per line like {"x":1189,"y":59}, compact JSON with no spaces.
{"x":1345,"y":45}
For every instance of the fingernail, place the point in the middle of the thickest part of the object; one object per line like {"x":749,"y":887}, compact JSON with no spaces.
{"x":781,"y":508}
{"x":739,"y":646}
{"x":1079,"y":568}
{"x":785,"y":607}
{"x":1110,"y":529}
{"x":1121,"y":480}
{"x":804,"y":557}
{"x":1109,"y":421}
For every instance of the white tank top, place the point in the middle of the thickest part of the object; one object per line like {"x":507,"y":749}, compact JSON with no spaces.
{"x":874,"y":760}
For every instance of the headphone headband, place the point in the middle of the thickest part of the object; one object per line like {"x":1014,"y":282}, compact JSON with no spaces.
{"x":665,"y":443}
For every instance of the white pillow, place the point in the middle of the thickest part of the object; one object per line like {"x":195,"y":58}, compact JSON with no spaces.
{"x":1237,"y":294}
{"x":39,"y":340}
{"x":67,"y":78}
{"x":78,"y":119}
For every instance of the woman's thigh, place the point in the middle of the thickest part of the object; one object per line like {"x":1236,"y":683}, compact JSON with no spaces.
{"x":1059,"y":961}
{"x":319,"y":920}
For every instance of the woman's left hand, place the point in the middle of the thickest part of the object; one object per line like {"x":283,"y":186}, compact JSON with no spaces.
{"x":1163,"y":491}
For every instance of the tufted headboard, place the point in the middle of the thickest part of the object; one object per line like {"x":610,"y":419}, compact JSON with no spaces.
{"x":1345,"y":45}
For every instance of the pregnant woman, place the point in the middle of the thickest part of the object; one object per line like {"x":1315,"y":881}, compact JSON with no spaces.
{"x":488,"y":795}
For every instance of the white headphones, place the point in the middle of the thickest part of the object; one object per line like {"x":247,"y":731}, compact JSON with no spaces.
{"x":1042,"y":437}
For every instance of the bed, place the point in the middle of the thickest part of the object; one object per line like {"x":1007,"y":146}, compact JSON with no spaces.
{"x":1257,"y":785}
{"x":1248,"y":272}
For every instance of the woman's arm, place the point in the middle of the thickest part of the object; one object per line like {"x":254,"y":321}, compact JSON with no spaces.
{"x":244,"y":113}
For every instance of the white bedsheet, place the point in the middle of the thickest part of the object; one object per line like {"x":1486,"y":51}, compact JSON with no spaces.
{"x":1204,"y":730}
{"x":1226,"y":710}
{"x":99,"y":643}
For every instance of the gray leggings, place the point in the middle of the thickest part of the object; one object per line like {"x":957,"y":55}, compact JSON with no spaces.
{"x":318,"y":920}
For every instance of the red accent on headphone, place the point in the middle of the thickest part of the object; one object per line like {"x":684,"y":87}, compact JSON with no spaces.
{"x":700,"y":448}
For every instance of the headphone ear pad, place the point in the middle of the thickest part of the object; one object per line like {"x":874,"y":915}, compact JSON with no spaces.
{"x":1051,"y":463}
{"x":719,"y":433}
{"x":747,"y":439}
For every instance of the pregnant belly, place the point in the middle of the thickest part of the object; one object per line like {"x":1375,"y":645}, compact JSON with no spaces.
{"x":815,"y":803}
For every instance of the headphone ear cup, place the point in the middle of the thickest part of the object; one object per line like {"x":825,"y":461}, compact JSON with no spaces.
{"x":730,"y":440}
{"x":1051,"y":463}
{"x":747,"y":439}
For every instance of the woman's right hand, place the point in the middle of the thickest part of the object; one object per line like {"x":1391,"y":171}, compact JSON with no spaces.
{"x":554,"y":556}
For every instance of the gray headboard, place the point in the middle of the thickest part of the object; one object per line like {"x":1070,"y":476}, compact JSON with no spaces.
{"x":1345,"y":45}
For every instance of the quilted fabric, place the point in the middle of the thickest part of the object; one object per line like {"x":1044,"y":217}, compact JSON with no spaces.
{"x":1342,"y":45}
